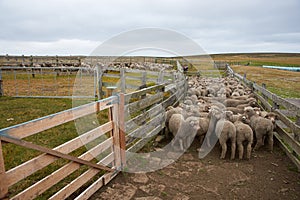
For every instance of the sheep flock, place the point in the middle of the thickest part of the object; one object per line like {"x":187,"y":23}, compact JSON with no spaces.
{"x":222,"y":108}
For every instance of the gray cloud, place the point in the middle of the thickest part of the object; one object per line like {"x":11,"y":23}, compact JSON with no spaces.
{"x":77,"y":26}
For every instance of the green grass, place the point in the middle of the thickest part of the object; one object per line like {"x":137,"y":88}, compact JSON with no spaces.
{"x":18,"y":110}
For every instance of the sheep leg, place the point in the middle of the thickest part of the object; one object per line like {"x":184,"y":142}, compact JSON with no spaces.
{"x":249,"y":150}
{"x":270,"y":141}
{"x":224,"y":149}
{"x":241,"y":150}
{"x":259,"y":142}
{"x":233,"y":147}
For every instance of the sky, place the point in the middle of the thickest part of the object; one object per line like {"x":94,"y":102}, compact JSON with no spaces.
{"x":78,"y":27}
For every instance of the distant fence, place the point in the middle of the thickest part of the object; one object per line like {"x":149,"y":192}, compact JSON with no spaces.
{"x":58,"y":82}
{"x":288,"y":131}
{"x":134,"y":119}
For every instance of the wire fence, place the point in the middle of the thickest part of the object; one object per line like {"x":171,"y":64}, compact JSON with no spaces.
{"x":55,"y":82}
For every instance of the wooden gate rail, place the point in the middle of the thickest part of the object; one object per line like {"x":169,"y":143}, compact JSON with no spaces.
{"x":110,"y":145}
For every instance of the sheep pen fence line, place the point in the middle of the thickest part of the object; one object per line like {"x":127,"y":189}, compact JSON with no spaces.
{"x":58,"y":82}
{"x":287,"y":131}
{"x":133,"y":120}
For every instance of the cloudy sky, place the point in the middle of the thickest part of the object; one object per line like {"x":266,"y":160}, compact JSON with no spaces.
{"x":77,"y":27}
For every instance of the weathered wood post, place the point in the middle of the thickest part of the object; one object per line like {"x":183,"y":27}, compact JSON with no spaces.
{"x":144,"y":78}
{"x":1,"y":84}
{"x":56,"y":60}
{"x":3,"y":183}
{"x":31,"y":65}
{"x":264,"y":87}
{"x":123,"y":80}
{"x":99,"y":79}
{"x":122,"y":128}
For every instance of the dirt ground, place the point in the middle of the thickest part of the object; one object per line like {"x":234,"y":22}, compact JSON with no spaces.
{"x":265,"y":176}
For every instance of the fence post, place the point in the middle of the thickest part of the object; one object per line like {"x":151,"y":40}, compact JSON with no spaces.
{"x":1,"y":84}
{"x":122,"y":128}
{"x":144,"y":78}
{"x":3,"y":183}
{"x":123,"y":81}
{"x":99,"y":79}
{"x":264,"y":87}
{"x":116,"y":135}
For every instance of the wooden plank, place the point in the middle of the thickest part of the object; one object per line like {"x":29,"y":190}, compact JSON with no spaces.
{"x":288,"y":139}
{"x":136,"y":78}
{"x":25,"y":169}
{"x":47,"y":182}
{"x":287,"y":151}
{"x":143,"y":130}
{"x":107,"y":102}
{"x":87,"y":176}
{"x":141,"y":92}
{"x":288,"y":105}
{"x":144,"y":103}
{"x":294,"y":127}
{"x":52,"y":152}
{"x":111,"y":75}
{"x":38,"y":125}
{"x":3,"y":184}
{"x":264,"y":102}
{"x":116,"y":136}
{"x":138,"y":120}
{"x":137,"y":146}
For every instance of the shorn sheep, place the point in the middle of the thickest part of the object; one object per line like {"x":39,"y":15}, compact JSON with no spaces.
{"x":226,"y":130}
{"x":183,"y":130}
{"x":243,"y":133}
{"x":262,"y":128}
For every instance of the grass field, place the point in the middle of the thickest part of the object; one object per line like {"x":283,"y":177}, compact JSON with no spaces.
{"x":259,"y":59}
{"x":18,"y":110}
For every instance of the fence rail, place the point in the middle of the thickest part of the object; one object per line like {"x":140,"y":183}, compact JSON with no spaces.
{"x":287,"y":131}
{"x":134,"y":119}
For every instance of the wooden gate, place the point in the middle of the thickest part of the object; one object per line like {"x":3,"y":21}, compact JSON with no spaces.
{"x":109,"y":165}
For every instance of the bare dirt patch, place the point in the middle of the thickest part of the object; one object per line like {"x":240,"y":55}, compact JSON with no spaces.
{"x":266,"y":176}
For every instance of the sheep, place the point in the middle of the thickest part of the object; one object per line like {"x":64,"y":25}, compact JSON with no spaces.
{"x":262,"y":127}
{"x":231,"y":117}
{"x":273,"y":117}
{"x":226,"y":130}
{"x":168,"y":114}
{"x":235,"y":102}
{"x":243,"y":133}
{"x":235,"y":110}
{"x":251,"y":103}
{"x":183,"y":130}
{"x":203,"y":128}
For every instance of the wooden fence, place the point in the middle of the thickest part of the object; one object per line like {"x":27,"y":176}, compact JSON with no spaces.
{"x":287,"y":131}
{"x":132,"y":79}
{"x":134,"y":119}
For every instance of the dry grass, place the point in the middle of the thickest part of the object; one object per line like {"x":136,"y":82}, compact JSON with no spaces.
{"x":19,"y":110}
{"x":259,"y":59}
{"x":283,"y":83}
